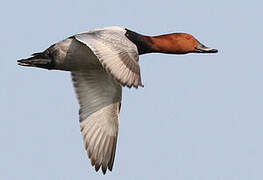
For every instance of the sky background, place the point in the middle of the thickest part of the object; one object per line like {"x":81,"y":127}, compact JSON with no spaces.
{"x":199,"y":117}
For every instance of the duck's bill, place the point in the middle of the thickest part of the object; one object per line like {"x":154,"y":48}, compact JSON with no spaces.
{"x":200,"y":48}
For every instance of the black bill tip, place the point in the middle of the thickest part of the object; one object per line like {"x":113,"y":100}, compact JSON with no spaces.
{"x":200,"y":48}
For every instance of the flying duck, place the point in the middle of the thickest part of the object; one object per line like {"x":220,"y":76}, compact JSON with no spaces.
{"x":101,"y":62}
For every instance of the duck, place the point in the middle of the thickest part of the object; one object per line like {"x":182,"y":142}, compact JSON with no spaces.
{"x":101,"y":62}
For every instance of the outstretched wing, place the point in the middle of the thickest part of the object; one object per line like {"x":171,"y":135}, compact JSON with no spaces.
{"x":118,"y":55}
{"x":99,"y":97}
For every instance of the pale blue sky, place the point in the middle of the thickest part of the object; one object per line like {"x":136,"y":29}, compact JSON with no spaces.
{"x":199,"y":117}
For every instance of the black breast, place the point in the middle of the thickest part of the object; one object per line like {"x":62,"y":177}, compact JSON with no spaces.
{"x":142,"y":42}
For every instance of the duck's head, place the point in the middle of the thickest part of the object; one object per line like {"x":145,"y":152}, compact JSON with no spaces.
{"x":180,"y":43}
{"x":189,"y":44}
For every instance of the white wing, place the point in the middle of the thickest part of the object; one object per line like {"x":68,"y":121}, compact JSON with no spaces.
{"x":99,"y":98}
{"x":118,"y":55}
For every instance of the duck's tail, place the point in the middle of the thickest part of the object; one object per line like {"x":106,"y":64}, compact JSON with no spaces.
{"x":41,"y":60}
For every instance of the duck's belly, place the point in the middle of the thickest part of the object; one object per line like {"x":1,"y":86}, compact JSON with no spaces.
{"x":72,"y":55}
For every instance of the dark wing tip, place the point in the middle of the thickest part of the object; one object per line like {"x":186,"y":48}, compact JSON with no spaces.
{"x":141,"y":85}
{"x":104,"y":169}
{"x":97,"y":167}
{"x":92,"y":161}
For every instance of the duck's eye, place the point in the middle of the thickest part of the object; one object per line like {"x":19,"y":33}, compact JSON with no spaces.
{"x":187,"y":37}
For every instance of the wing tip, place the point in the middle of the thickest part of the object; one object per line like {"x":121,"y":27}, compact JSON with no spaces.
{"x":98,"y":166}
{"x":135,"y":86}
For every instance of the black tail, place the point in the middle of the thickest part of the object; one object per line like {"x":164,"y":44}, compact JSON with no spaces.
{"x":41,"y":60}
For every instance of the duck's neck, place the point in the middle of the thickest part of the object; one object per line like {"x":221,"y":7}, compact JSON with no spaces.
{"x":143,"y":43}
{"x":150,"y":44}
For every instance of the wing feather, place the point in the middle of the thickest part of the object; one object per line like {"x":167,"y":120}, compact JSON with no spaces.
{"x":99,"y":97}
{"x":117,"y":54}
